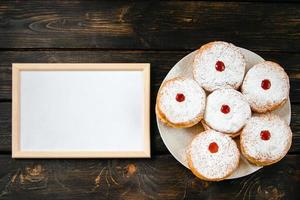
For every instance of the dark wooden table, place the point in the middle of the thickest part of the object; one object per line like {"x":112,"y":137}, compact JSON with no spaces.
{"x":159,"y":33}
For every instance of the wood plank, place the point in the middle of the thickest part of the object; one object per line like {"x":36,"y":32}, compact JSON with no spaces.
{"x":161,"y":63}
{"x":157,"y":145}
{"x":161,"y":177}
{"x":5,"y":126}
{"x":148,"y":24}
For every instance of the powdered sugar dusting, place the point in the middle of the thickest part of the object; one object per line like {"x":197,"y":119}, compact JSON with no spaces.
{"x":233,"y":121}
{"x":204,"y":66}
{"x":214,"y":165}
{"x":260,"y":99}
{"x":193,"y":105}
{"x":265,"y":150}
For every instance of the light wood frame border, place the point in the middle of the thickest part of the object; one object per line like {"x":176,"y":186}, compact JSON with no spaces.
{"x":18,"y":67}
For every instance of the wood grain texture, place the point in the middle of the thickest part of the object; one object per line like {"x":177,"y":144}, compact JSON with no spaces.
{"x":159,"y":178}
{"x":157,"y":145}
{"x":148,"y":24}
{"x":161,"y":63}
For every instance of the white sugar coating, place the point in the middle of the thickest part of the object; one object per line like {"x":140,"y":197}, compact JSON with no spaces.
{"x":205,"y":60}
{"x":192,"y":107}
{"x":266,"y":150}
{"x":260,"y":99}
{"x":233,"y":121}
{"x":214,"y":165}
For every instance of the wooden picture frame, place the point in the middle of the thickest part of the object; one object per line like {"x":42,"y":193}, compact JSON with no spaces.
{"x":29,"y":69}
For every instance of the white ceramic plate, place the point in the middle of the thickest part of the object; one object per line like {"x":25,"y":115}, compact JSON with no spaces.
{"x":177,"y":140}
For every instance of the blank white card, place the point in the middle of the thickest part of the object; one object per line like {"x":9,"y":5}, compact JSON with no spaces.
{"x":78,"y":111}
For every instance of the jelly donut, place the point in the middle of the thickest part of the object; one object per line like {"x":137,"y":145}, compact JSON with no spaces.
{"x":265,"y":139}
{"x":266,"y":86}
{"x":219,"y":65}
{"x":180,"y":102}
{"x":226,"y":111}
{"x":213,"y":155}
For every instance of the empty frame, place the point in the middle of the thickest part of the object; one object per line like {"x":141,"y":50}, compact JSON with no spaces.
{"x":80,"y":110}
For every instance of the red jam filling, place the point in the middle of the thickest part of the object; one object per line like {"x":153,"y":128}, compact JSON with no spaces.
{"x":265,"y":135}
{"x":225,"y":109}
{"x":265,"y":84}
{"x":213,"y":147}
{"x":180,"y":97}
{"x":220,"y":66}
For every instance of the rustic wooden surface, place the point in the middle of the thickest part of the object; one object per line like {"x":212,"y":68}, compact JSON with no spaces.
{"x":160,"y":33}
